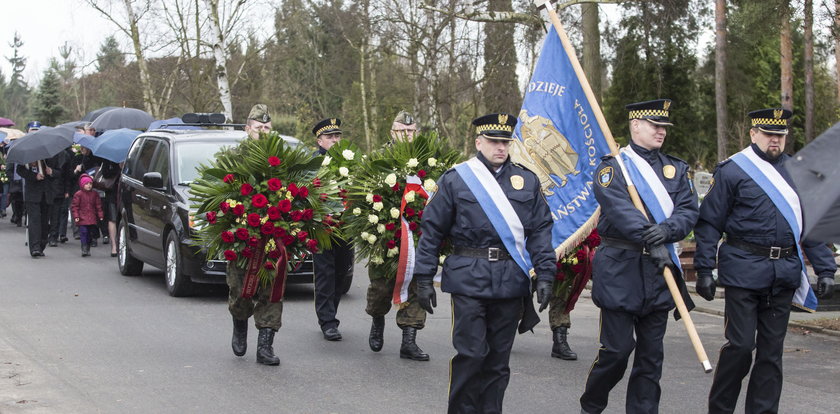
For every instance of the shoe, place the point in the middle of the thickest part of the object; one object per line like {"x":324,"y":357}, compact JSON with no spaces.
{"x":53,"y":243}
{"x":376,"y":329}
{"x":239,"y":343}
{"x":114,"y":254}
{"x":37,"y":253}
{"x":63,"y":239}
{"x":332,"y":334}
{"x":265,"y":347}
{"x":105,"y":240}
{"x":85,"y":250}
{"x":76,"y":237}
{"x":561,"y":348}
{"x":94,"y":243}
{"x":409,"y":348}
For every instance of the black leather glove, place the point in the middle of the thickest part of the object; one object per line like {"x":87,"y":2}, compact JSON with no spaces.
{"x":544,"y":293}
{"x":825,"y":287}
{"x":655,"y":234}
{"x":705,"y":286}
{"x":426,"y":295}
{"x":660,"y":256}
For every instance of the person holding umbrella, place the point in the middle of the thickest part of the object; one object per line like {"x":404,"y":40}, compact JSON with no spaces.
{"x":38,"y":197}
{"x":755,"y":203}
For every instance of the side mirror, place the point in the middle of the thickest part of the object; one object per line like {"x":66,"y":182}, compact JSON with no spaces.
{"x":153,"y":180}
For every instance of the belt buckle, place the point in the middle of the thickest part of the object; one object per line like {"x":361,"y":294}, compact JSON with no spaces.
{"x":775,"y":253}
{"x":493,"y":254}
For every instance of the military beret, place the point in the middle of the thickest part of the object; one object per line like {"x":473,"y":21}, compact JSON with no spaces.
{"x":259,"y":112}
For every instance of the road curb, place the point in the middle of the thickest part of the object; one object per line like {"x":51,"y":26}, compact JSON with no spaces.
{"x":797,"y":324}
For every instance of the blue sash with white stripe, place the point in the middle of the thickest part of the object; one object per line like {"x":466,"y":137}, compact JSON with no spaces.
{"x":786,"y":200}
{"x":498,"y":209}
{"x":652,"y":192}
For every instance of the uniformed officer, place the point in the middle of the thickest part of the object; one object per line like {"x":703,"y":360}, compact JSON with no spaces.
{"x":627,"y":281}
{"x":258,"y":122}
{"x":334,"y":265}
{"x":267,"y":314}
{"x":411,"y":317}
{"x":486,"y":274}
{"x":758,"y":263}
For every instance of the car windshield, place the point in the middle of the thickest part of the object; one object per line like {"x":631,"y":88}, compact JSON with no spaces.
{"x":191,"y":154}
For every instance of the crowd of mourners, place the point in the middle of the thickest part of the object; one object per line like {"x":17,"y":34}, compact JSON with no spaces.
{"x":55,"y":198}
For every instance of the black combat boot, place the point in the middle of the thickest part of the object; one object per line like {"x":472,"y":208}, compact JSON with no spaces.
{"x":561,"y":348}
{"x":265,"y":348}
{"x":85,"y":250}
{"x":409,"y":348}
{"x":239,"y":343}
{"x":376,"y":329}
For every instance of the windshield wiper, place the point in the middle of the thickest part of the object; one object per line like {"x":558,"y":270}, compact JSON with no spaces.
{"x":185,"y":183}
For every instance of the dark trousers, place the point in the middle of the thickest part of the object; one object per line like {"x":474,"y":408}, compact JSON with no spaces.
{"x":482,"y":334}
{"x":16,"y":200}
{"x":331,"y":268}
{"x":56,"y":209}
{"x":86,"y":232}
{"x":754,"y":320}
{"x":62,"y":219}
{"x":38,"y":225}
{"x":617,"y":343}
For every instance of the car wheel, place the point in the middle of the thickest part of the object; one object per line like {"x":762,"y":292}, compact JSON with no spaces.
{"x":177,"y":283}
{"x":129,"y":266}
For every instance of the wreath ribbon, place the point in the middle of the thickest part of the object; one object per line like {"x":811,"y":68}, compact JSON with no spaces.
{"x":255,"y":263}
{"x":405,"y":266}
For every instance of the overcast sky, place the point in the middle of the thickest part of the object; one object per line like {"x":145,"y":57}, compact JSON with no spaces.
{"x":44,"y":26}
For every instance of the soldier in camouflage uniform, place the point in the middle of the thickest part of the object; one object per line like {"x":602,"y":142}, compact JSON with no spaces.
{"x":267,"y":314}
{"x":410,"y":317}
{"x":560,"y":323}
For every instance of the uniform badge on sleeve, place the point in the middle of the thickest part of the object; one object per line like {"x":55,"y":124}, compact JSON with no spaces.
{"x":517,"y":182}
{"x":605,"y":176}
{"x":669,"y":171}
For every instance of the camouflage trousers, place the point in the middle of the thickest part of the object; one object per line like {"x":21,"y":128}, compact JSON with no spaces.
{"x":379,"y":295}
{"x":557,"y":316}
{"x":266,"y":314}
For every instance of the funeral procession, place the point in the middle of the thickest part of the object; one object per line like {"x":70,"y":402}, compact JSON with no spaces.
{"x":420,"y":206}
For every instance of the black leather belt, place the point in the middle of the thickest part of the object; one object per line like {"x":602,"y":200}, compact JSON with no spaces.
{"x":492,"y":254}
{"x":771,"y":252}
{"x":623,"y":244}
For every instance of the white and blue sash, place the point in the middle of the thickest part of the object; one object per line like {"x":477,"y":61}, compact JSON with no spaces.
{"x":786,"y":200}
{"x":496,"y":205}
{"x":652,"y":192}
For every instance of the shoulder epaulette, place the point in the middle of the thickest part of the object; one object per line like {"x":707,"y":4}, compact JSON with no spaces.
{"x":721,"y":164}
{"x":678,"y":159}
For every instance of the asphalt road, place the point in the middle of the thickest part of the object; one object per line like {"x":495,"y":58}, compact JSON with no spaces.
{"x":77,"y":337}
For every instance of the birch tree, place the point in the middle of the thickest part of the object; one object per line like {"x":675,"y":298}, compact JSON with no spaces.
{"x":220,"y":56}
{"x":720,"y":80}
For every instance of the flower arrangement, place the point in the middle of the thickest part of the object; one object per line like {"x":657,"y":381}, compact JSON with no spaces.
{"x":388,"y":194}
{"x":339,"y":166}
{"x":4,"y":178}
{"x":575,"y":269}
{"x":261,"y":202}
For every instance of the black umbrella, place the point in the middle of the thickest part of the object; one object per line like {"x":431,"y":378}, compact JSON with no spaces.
{"x":40,"y":145}
{"x":816,"y":172}
{"x":92,"y":115}
{"x":130,"y":118}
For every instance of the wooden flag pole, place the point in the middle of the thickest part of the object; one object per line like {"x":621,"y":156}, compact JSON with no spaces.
{"x":634,"y":195}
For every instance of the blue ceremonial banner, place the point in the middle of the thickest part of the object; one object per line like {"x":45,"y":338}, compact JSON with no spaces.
{"x":560,"y":140}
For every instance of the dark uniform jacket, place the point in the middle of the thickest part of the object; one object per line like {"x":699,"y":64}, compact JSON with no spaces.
{"x":626,"y":280}
{"x":454,"y":213}
{"x":35,"y":190}
{"x":737,"y":206}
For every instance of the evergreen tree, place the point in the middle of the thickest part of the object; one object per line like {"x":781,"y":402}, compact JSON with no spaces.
{"x":16,"y":95}
{"x":48,"y":107}
{"x":110,"y":56}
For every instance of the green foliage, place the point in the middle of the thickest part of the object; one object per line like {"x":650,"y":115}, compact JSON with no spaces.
{"x":240,"y":175}
{"x":109,"y":56}
{"x":379,"y":185}
{"x":48,"y":107}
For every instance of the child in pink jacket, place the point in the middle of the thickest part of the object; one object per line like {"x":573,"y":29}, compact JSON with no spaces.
{"x":87,"y":211}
